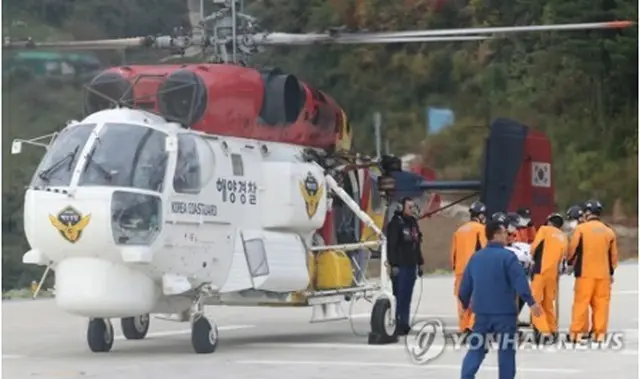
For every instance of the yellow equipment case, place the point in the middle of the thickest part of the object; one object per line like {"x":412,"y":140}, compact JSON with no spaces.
{"x":330,"y":269}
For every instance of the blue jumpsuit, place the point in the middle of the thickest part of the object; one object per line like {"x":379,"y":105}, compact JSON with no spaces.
{"x":490,"y":283}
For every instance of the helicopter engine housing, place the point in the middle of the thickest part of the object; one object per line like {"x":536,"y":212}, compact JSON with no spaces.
{"x":134,"y":86}
{"x":267,"y":105}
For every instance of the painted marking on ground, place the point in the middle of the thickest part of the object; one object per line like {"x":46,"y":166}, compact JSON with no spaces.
{"x":401,"y":346}
{"x":12,"y":356}
{"x":625,"y":292}
{"x":187,"y":331}
{"x":398,"y":365}
{"x":420,"y":316}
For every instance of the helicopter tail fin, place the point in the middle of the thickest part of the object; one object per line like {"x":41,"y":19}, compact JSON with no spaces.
{"x":517,"y":170}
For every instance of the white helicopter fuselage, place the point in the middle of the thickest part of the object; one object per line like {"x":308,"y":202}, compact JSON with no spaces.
{"x":145,"y":213}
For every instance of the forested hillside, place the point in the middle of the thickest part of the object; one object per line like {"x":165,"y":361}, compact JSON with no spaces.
{"x":579,"y":87}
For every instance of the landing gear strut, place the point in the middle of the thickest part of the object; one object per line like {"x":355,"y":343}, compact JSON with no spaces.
{"x":135,"y":328}
{"x":204,"y":332}
{"x":100,"y":335}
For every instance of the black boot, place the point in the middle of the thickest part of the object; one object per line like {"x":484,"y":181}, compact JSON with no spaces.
{"x":465,"y":335}
{"x":403,"y":330}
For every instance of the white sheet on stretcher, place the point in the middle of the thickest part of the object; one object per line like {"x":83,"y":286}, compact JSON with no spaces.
{"x":523,"y":253}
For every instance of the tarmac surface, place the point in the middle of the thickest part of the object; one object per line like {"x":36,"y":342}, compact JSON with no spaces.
{"x":40,"y":341}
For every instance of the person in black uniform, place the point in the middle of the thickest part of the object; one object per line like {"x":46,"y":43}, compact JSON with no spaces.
{"x":405,"y":260}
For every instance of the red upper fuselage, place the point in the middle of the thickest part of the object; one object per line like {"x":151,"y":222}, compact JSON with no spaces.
{"x":228,"y":100}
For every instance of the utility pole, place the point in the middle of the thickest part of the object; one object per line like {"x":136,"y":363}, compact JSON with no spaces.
{"x":377,"y":125}
{"x":387,"y":147}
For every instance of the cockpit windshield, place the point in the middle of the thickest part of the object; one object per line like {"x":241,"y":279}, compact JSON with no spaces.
{"x":56,"y":168}
{"x":126,"y":155}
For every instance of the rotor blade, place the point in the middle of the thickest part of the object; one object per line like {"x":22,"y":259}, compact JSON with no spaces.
{"x":161,"y":42}
{"x":491,"y":30}
{"x":106,"y":44}
{"x":349,"y":41}
{"x":310,"y":39}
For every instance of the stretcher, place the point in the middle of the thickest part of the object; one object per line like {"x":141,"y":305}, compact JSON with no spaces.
{"x":523,"y":253}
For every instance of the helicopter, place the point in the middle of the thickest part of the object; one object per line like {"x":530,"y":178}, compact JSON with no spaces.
{"x":187,"y":185}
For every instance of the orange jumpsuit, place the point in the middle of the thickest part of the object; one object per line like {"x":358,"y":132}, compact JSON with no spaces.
{"x":468,"y":239}
{"x":548,"y":250}
{"x":593,"y":252}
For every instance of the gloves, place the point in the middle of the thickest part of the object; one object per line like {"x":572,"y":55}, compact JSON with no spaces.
{"x":394,"y":271}
{"x":420,"y":273}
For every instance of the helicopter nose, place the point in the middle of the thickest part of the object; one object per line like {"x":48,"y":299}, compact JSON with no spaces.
{"x":83,"y":236}
{"x":61,"y":226}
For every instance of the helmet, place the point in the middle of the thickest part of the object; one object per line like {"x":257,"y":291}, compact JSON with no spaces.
{"x":499,"y":216}
{"x":593,"y":206}
{"x":513,"y":222}
{"x":524,"y":212}
{"x":514,"y":219}
{"x":574,"y":212}
{"x":555,"y":219}
{"x":477,"y":208}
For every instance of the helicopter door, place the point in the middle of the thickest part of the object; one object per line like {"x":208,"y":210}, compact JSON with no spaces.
{"x":193,"y":209}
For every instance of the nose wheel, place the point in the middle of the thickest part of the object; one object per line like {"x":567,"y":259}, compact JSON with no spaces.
{"x":135,"y":328}
{"x":100,"y":335}
{"x":204,"y":334}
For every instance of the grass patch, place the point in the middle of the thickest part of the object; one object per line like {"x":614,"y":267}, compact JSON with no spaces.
{"x":439,"y":272}
{"x":26,"y":293}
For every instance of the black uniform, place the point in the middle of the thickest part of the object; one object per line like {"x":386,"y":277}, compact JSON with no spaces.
{"x":405,"y":258}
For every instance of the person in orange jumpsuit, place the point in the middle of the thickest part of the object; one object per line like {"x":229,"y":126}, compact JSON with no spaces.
{"x":526,"y":229}
{"x":548,"y":249}
{"x":467,"y":239}
{"x":593,"y":253}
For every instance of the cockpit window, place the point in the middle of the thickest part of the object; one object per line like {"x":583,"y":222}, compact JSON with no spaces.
{"x":56,"y":168}
{"x":126,"y":155}
{"x":187,"y":176}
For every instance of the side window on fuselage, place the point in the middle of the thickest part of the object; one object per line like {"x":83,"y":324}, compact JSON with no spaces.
{"x":187,"y":177}
{"x":237,"y":167}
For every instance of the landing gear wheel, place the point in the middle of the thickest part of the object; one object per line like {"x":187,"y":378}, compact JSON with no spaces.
{"x":383,"y":323}
{"x":100,"y":335}
{"x":204,"y":335}
{"x":135,"y":328}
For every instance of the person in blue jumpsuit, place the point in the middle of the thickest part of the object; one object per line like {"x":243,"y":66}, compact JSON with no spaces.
{"x":405,"y":260}
{"x":489,"y":286}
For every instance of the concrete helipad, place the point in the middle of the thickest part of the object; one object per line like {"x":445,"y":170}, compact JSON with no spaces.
{"x":39,"y":341}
